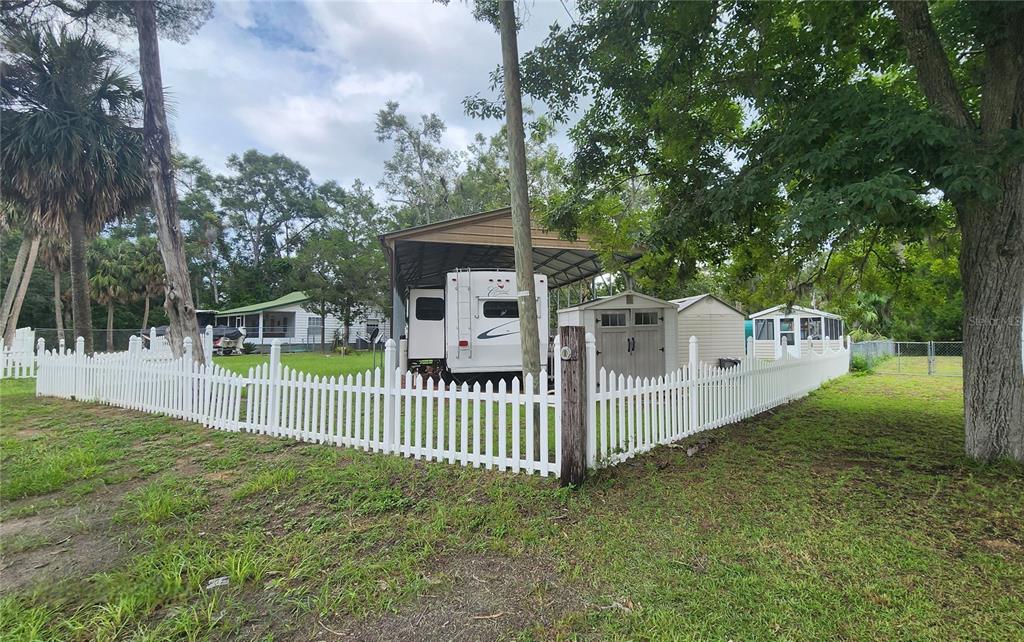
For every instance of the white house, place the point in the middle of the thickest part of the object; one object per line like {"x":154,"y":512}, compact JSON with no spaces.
{"x":795,"y":329}
{"x":718,"y":326}
{"x":284,"y":318}
{"x":636,"y":333}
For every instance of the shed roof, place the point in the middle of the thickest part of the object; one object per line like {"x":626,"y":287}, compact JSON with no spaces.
{"x":610,"y":300}
{"x":288,"y":299}
{"x":799,"y":309}
{"x":421,"y":256}
{"x":686,"y":302}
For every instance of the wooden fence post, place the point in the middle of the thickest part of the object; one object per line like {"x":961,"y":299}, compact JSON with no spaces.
{"x":574,"y":405}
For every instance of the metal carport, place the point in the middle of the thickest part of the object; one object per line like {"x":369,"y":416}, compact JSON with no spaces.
{"x":421,"y":256}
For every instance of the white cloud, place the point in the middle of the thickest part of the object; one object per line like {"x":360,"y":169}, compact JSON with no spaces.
{"x":239,"y":12}
{"x":307,"y":79}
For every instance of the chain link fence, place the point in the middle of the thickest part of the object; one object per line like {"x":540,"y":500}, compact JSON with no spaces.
{"x":936,"y":358}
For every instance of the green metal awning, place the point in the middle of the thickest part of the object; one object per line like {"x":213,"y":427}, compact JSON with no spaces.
{"x":289,"y":299}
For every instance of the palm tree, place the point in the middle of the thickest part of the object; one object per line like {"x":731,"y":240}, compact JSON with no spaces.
{"x":53,"y":254}
{"x":149,"y":273}
{"x":112,"y":280}
{"x":13,"y":217}
{"x":71,"y":156}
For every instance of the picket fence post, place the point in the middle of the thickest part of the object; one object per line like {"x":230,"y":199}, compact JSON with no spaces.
{"x":185,"y":368}
{"x":208,"y":344}
{"x":40,"y":350}
{"x":590,"y":399}
{"x":78,"y":377}
{"x":692,"y":376}
{"x":274,"y":387}
{"x":389,"y":393}
{"x":748,"y":367}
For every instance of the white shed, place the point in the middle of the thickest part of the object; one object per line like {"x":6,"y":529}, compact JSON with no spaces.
{"x":636,"y":333}
{"x":718,"y":326}
{"x":799,"y":329}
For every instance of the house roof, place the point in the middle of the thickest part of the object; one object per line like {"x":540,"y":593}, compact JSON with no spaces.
{"x":421,"y":256}
{"x":795,"y":308}
{"x":686,"y":302}
{"x":606,"y":299}
{"x":289,"y":299}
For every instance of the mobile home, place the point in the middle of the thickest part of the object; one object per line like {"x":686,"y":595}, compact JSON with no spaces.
{"x":795,"y":330}
{"x":286,"y":320}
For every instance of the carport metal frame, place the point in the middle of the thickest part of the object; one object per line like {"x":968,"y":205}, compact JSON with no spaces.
{"x":421,"y":256}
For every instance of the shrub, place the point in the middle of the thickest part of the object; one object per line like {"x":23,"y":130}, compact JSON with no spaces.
{"x":861,"y":363}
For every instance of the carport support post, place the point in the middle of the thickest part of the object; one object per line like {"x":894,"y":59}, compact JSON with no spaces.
{"x":574,"y":436}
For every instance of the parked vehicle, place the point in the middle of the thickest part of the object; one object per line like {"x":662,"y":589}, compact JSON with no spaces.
{"x":228,"y":340}
{"x":471,"y":326}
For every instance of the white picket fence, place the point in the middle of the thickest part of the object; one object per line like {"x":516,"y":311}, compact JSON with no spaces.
{"x":628,"y":416}
{"x":390,"y":411}
{"x":19,"y":361}
{"x":383,"y":410}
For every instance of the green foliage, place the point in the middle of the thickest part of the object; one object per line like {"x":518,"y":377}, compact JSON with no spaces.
{"x":68,"y":129}
{"x":775,"y":138}
{"x":861,"y":363}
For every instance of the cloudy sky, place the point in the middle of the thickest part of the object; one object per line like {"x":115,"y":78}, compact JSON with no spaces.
{"x":306,"y":78}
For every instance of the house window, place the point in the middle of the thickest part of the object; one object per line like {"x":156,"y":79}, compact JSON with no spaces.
{"x":315,"y":323}
{"x":810,"y":328}
{"x":834,"y":328}
{"x":645,"y":318}
{"x":764,"y":329}
{"x":613,"y":319}
{"x":501,"y":310}
{"x":429,"y":308}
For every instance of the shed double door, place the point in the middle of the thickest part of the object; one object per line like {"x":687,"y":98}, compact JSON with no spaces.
{"x":631,"y":342}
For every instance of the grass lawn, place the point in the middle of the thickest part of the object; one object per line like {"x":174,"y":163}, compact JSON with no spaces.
{"x":315,"y":363}
{"x":849,"y":515}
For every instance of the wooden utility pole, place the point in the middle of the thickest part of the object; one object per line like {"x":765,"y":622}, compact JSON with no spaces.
{"x":529,"y":331}
{"x":178,"y":301}
{"x":574,"y":433}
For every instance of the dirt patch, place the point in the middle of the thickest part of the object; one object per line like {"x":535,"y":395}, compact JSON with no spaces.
{"x":74,"y":540}
{"x":78,"y":540}
{"x":1004,"y":546}
{"x":79,"y":555}
{"x":480,"y":597}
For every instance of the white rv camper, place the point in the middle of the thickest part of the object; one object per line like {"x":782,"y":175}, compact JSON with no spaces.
{"x":472,"y":324}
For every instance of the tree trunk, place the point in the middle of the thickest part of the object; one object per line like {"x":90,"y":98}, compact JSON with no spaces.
{"x":323,"y":332}
{"x":992,"y":271}
{"x":12,"y":284}
{"x":58,"y":312}
{"x":19,"y":298}
{"x":529,"y":331}
{"x":145,"y":314}
{"x":178,"y":300}
{"x":213,"y":285}
{"x":992,"y":252}
{"x":81,"y":308}
{"x":110,"y":326}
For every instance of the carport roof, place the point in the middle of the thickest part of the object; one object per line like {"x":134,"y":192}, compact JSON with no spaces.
{"x":421,"y":256}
